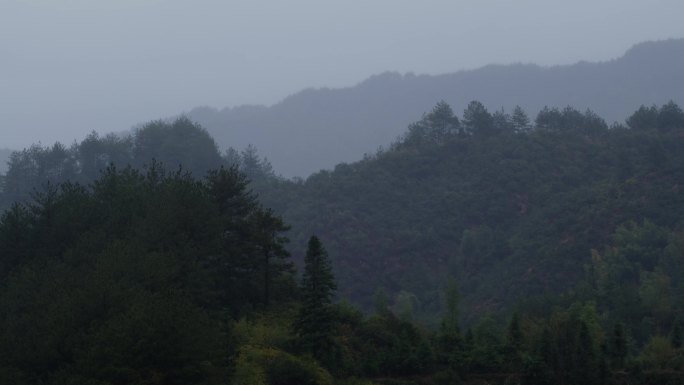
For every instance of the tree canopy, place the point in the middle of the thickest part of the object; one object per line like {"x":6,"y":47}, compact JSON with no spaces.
{"x":495,"y":249}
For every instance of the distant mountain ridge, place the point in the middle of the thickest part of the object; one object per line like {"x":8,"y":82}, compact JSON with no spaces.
{"x":318,"y":128}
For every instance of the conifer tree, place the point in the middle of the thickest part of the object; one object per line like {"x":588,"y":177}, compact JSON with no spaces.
{"x":584,"y":368}
{"x":514,"y":343}
{"x":477,"y":120}
{"x":315,"y":320}
{"x":520,"y":120}
{"x":617,"y":346}
{"x":450,"y":347}
{"x":451,"y":318}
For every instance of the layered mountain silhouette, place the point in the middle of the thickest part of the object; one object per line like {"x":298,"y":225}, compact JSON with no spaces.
{"x":318,"y":128}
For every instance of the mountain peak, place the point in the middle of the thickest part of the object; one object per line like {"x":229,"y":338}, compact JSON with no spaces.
{"x":656,"y":50}
{"x":320,"y":127}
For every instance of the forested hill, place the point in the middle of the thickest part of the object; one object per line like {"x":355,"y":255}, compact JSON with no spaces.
{"x":318,"y":128}
{"x":559,"y":242}
{"x":511,"y":210}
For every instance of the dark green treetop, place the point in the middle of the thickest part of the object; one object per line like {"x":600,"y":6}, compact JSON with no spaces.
{"x":314,"y":322}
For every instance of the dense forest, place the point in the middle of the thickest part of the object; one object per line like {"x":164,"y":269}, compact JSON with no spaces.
{"x":485,"y":248}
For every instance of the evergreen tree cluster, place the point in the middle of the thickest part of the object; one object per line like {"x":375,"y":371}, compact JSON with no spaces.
{"x":135,"y":278}
{"x":500,"y":250}
{"x":178,"y":144}
{"x":507,"y":205}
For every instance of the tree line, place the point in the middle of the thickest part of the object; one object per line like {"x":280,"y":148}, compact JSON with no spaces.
{"x":487,"y":248}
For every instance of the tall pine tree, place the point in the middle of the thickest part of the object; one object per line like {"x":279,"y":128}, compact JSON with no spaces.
{"x":315,"y":320}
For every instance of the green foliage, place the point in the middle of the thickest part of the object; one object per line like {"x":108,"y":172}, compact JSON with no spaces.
{"x":617,"y":346}
{"x":133,"y":279}
{"x":509,"y":216}
{"x":448,"y":345}
{"x":486,"y":354}
{"x":268,"y":366}
{"x":658,"y":353}
{"x":315,"y":321}
{"x":570,"y":120}
{"x":355,"y":381}
{"x":180,"y":143}
{"x":451,"y":319}
{"x":643,"y":118}
{"x":269,"y":329}
{"x":158,"y":277}
{"x":636,"y":281}
{"x":666,"y":118}
{"x":95,"y":154}
{"x":176,"y":144}
{"x":520,"y":121}
{"x":35,"y":167}
{"x":435,"y":127}
{"x":514,"y":348}
{"x":477,"y":120}
{"x":670,"y":117}
{"x":393,"y":347}
{"x":405,"y":305}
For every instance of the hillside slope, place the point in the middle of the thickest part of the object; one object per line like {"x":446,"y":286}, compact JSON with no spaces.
{"x":509,"y":215}
{"x":318,"y":128}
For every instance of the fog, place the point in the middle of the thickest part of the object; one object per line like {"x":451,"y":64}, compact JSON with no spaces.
{"x":72,"y":66}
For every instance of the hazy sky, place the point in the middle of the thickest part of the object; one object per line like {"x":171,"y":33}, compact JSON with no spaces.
{"x":71,"y":66}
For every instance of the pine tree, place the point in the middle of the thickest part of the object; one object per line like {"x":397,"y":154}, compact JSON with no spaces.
{"x":451,"y":317}
{"x":315,"y":320}
{"x":514,"y":343}
{"x":270,"y":248}
{"x":449,"y":348}
{"x":585,"y":368}
{"x":435,"y":127}
{"x":520,"y":120}
{"x":477,"y":120}
{"x":617,"y":346}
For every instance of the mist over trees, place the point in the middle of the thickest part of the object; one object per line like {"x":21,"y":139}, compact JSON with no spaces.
{"x":481,"y":245}
{"x":508,"y":206}
{"x":319,"y":128}
{"x":178,"y":145}
{"x":4,"y":156}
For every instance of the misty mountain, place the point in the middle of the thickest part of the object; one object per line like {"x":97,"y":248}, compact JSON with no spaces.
{"x":509,"y":214}
{"x":566,"y":230}
{"x":318,"y":128}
